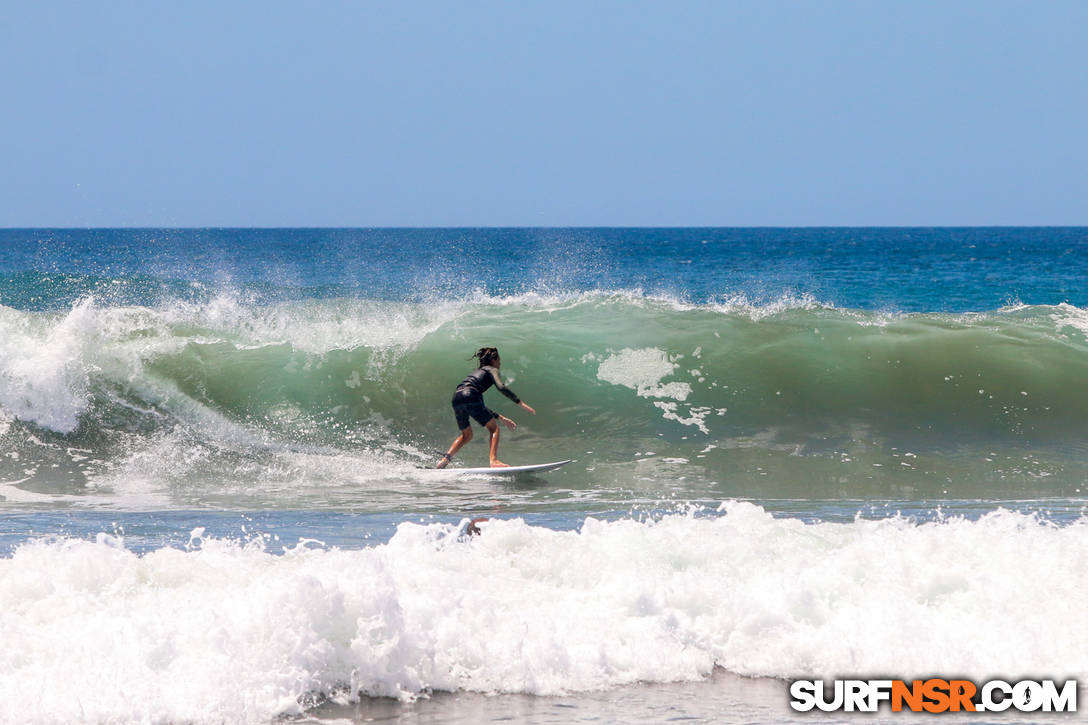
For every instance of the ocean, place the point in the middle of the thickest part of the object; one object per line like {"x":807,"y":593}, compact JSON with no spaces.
{"x":798,"y":453}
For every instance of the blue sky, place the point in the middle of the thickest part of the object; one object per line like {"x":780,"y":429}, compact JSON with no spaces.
{"x":601,"y":112}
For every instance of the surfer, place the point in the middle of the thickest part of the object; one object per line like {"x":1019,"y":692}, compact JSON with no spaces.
{"x":468,"y":401}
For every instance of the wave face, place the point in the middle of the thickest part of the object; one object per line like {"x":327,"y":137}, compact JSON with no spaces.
{"x":784,"y":397}
{"x":228,"y":631}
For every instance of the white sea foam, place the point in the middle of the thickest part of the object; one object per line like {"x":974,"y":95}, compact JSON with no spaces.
{"x":229,"y":632}
{"x":45,"y":366}
{"x":643,"y":370}
{"x":1068,"y":316}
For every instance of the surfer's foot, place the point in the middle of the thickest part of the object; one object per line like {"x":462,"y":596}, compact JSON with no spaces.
{"x":496,"y":463}
{"x":443,"y":461}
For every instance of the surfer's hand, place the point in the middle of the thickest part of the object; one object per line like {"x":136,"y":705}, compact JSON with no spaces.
{"x":507,"y":422}
{"x":527,"y":407}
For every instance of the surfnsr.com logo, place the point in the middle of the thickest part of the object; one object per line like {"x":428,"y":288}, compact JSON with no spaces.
{"x":934,"y":695}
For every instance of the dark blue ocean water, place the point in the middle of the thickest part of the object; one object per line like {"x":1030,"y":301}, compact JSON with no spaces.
{"x":901,"y":269}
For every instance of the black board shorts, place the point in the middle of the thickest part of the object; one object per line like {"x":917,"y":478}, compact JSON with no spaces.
{"x":471,"y":405}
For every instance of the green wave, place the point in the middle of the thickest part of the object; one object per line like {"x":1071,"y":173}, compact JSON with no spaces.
{"x":813,"y":371}
{"x":614,"y":376}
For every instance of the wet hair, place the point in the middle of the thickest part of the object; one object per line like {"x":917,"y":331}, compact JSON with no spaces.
{"x":486,"y":355}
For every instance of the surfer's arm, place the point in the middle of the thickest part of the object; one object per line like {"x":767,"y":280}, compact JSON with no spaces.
{"x":502,"y":388}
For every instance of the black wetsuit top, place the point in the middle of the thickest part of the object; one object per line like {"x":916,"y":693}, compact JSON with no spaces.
{"x":468,"y":401}
{"x":480,"y":380}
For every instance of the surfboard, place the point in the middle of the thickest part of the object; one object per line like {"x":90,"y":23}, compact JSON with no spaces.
{"x":507,"y":471}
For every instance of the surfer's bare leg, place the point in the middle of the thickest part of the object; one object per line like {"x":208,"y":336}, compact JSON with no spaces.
{"x":493,"y":429}
{"x":458,"y":442}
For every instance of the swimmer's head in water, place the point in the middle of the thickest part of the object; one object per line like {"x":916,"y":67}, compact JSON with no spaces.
{"x":487,"y":355}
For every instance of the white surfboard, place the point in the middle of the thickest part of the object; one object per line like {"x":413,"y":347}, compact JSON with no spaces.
{"x":508,"y":470}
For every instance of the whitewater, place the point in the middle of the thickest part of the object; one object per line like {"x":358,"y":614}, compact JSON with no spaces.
{"x":798,"y":453}
{"x":245,"y":630}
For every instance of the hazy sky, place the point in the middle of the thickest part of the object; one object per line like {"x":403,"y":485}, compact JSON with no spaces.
{"x":591,"y":112}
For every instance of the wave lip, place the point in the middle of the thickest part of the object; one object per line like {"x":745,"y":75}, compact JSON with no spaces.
{"x":227,"y":631}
